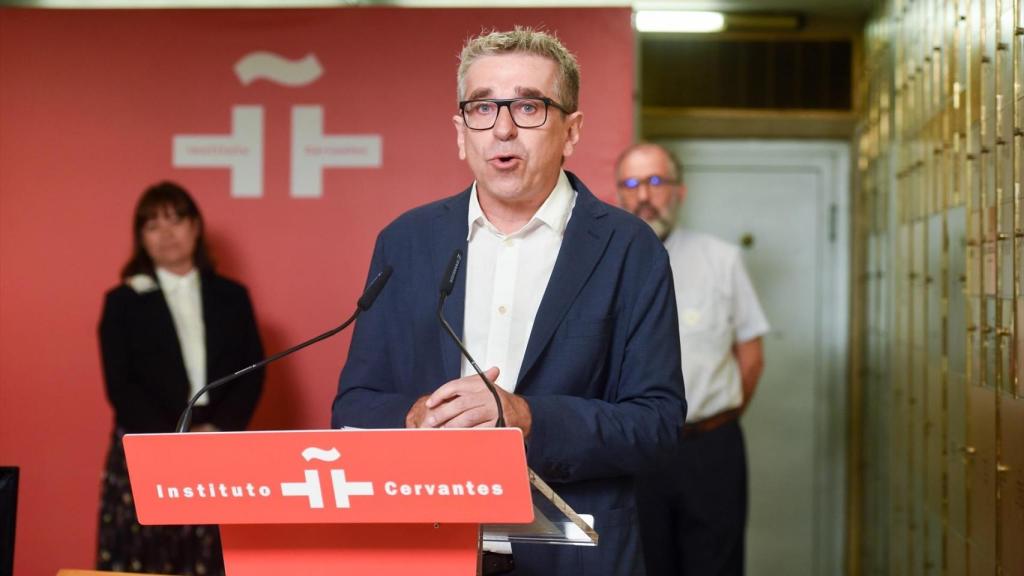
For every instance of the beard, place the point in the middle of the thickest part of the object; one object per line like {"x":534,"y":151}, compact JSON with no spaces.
{"x":661,"y":227}
{"x":661,"y":221}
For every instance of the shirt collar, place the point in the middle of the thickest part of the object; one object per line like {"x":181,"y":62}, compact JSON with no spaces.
{"x":554,"y":212}
{"x":169,"y":281}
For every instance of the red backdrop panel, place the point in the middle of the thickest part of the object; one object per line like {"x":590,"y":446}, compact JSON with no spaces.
{"x":90,"y":105}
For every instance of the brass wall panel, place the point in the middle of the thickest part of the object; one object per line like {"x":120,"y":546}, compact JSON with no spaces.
{"x":1018,"y":342}
{"x":898,"y":409}
{"x":877,"y":508}
{"x":939,"y":176}
{"x":975,"y":338}
{"x":987,"y":44}
{"x":956,"y":556}
{"x":935,"y":515}
{"x":990,"y":343}
{"x":980,"y":564}
{"x":956,"y":460}
{"x":1004,"y":243}
{"x":917,"y":420}
{"x":1018,"y":68}
{"x":899,"y":518}
{"x":1005,"y":340}
{"x":989,"y":252}
{"x":934,"y":432}
{"x":956,"y":280}
{"x":974,"y":252}
{"x":973,"y":55}
{"x":981,"y":470}
{"x":1011,"y":485}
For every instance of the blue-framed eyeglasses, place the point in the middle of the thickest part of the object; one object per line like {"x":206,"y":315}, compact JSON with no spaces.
{"x":653,"y":181}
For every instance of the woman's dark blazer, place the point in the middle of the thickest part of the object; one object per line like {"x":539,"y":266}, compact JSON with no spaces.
{"x":146,"y":381}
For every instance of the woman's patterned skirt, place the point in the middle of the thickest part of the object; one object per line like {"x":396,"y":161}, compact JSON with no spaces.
{"x":127,"y":546}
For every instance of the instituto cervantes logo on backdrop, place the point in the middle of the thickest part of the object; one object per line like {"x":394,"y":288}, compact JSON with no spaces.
{"x":312,"y":151}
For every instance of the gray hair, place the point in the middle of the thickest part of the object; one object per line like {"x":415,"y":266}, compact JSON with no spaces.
{"x":525,"y":40}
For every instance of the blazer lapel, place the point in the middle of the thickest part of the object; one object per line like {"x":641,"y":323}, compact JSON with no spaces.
{"x":450,"y":232}
{"x":584,"y":242}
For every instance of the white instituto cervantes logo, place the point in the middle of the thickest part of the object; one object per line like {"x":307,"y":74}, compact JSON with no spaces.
{"x":241,"y":151}
{"x":312,"y":151}
{"x":311,"y":487}
{"x":261,"y":65}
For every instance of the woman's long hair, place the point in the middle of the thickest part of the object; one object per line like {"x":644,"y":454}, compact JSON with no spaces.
{"x":159,"y":198}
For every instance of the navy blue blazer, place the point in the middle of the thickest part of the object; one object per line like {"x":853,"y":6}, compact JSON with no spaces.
{"x":601,"y":371}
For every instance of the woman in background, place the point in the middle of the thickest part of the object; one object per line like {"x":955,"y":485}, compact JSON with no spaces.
{"x":172,"y":326}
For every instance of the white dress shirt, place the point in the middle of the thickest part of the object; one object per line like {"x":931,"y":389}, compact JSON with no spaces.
{"x":185,"y":301}
{"x":506,"y":275}
{"x":717,"y":309}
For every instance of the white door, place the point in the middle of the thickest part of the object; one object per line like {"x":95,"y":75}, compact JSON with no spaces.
{"x":787,"y":204}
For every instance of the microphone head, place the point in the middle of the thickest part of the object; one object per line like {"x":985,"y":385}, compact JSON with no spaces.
{"x":371,"y":292}
{"x":448,"y":280}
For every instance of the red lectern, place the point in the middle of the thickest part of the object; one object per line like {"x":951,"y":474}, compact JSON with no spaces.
{"x":378,"y":502}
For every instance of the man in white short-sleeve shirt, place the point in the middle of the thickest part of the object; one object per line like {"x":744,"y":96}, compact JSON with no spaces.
{"x":693,"y":515}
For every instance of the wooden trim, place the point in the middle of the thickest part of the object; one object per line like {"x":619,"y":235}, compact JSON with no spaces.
{"x":744,"y":123}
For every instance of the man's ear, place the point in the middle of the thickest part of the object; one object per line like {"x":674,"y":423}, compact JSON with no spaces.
{"x":574,"y":124}
{"x":460,"y":135}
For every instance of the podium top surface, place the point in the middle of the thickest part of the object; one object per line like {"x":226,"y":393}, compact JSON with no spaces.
{"x":330,"y":476}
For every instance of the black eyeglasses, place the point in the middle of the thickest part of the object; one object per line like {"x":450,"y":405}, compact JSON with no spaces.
{"x":653,"y":181}
{"x":482,"y":114}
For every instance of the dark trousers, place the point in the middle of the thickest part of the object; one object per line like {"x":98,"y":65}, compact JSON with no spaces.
{"x":693,"y":513}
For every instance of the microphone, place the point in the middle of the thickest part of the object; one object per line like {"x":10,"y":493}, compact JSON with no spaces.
{"x":364,"y":303}
{"x":447,"y":285}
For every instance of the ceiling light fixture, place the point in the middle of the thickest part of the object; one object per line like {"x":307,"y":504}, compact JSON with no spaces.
{"x":679,"y":21}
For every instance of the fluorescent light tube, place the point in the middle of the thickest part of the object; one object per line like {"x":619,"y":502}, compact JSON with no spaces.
{"x":679,"y":21}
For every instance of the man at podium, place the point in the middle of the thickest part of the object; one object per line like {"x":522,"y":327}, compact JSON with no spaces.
{"x":567,"y":302}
